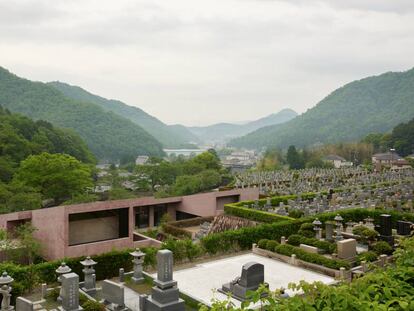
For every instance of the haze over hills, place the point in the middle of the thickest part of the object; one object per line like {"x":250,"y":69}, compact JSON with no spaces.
{"x":222,"y":132}
{"x":109,"y":136}
{"x":373,"y":104}
{"x":169,"y":136}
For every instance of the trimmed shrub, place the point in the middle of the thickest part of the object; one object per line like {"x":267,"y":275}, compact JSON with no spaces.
{"x":262,"y":243}
{"x":382,"y":247}
{"x":288,"y":250}
{"x":368,"y":256}
{"x":271,"y":245}
{"x":306,"y":230}
{"x":327,"y":247}
{"x":366,"y":234}
{"x":252,"y":214}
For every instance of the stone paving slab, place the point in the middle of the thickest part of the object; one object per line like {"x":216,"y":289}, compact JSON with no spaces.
{"x":202,"y":280}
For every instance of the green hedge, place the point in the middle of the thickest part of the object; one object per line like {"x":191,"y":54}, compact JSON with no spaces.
{"x":288,"y":250}
{"x":327,"y":247}
{"x":252,"y":214}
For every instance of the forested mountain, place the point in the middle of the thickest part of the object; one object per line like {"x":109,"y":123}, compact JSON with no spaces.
{"x":21,"y":137}
{"x":108,"y":135}
{"x":224,"y":131}
{"x":169,"y":136}
{"x":374,"y":104}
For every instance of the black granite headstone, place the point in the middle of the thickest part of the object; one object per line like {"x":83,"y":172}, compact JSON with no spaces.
{"x":385,"y":226}
{"x":404,"y":227}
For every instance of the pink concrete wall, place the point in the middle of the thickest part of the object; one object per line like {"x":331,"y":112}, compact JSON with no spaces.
{"x":53,"y":223}
{"x":51,"y":231}
{"x":96,"y":248}
{"x":204,"y":204}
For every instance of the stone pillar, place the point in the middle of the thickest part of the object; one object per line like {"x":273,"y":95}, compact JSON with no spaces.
{"x":44,"y":290}
{"x":293,"y":260}
{"x":364,"y":267}
{"x":383,"y":260}
{"x":121,"y":275}
{"x":89,"y":285}
{"x":138,"y":261}
{"x":329,"y":231}
{"x":283,"y":240}
{"x":342,"y":273}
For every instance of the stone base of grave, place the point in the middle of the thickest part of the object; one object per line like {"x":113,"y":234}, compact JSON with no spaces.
{"x":113,"y":307}
{"x":137,"y":280}
{"x":388,"y":239}
{"x":79,"y":309}
{"x":238,"y":292}
{"x":91,"y":291}
{"x":152,"y":305}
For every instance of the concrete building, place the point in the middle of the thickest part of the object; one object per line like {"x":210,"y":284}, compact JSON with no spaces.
{"x":99,"y":227}
{"x":337,"y":161}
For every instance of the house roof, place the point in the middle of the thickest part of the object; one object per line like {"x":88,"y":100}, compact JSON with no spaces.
{"x":388,"y":156}
{"x":334,"y":157}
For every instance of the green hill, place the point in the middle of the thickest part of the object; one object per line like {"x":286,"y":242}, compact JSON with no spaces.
{"x":225,"y":131}
{"x":21,"y":137}
{"x":108,"y":135}
{"x":169,"y":136}
{"x":374,"y":104}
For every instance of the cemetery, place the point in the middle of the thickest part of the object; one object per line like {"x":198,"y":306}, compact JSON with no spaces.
{"x":333,"y":237}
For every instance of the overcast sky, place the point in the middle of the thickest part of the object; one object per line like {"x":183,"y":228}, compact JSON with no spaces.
{"x":200,"y":62}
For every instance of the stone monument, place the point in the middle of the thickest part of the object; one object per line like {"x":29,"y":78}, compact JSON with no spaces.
{"x":138,"y":262}
{"x":347,"y":249}
{"x":165,"y":294}
{"x":5,"y":291}
{"x":113,"y":296}
{"x":70,"y":292}
{"x":251,"y":278}
{"x":23,"y":304}
{"x":89,"y":285}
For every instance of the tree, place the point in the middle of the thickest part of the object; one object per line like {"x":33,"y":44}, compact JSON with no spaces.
{"x":29,"y":244}
{"x":57,"y":176}
{"x":294,"y":158}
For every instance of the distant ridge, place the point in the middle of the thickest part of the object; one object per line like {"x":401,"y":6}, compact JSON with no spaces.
{"x":222,"y":132}
{"x":374,"y":104}
{"x":169,"y":136}
{"x":109,"y":136}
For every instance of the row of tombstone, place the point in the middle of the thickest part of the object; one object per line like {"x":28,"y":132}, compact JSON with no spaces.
{"x":164,"y":295}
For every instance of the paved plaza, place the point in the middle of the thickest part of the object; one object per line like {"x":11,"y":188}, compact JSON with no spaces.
{"x":202,"y":280}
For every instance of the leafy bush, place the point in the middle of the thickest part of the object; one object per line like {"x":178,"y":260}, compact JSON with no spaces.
{"x":306,"y":230}
{"x":368,"y":256}
{"x":327,"y":247}
{"x":366,"y":234}
{"x":271,"y":245}
{"x":382,"y":247}
{"x":91,"y":305}
{"x":288,"y":250}
{"x":262,"y":243}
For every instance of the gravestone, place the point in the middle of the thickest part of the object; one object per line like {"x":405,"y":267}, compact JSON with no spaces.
{"x":113,"y":296}
{"x":347,"y":249}
{"x":404,"y":227}
{"x":308,"y":248}
{"x":329,"y":231}
{"x":165,"y":294}
{"x":23,"y":304}
{"x":251,"y":278}
{"x":70,"y":292}
{"x":385,"y":229}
